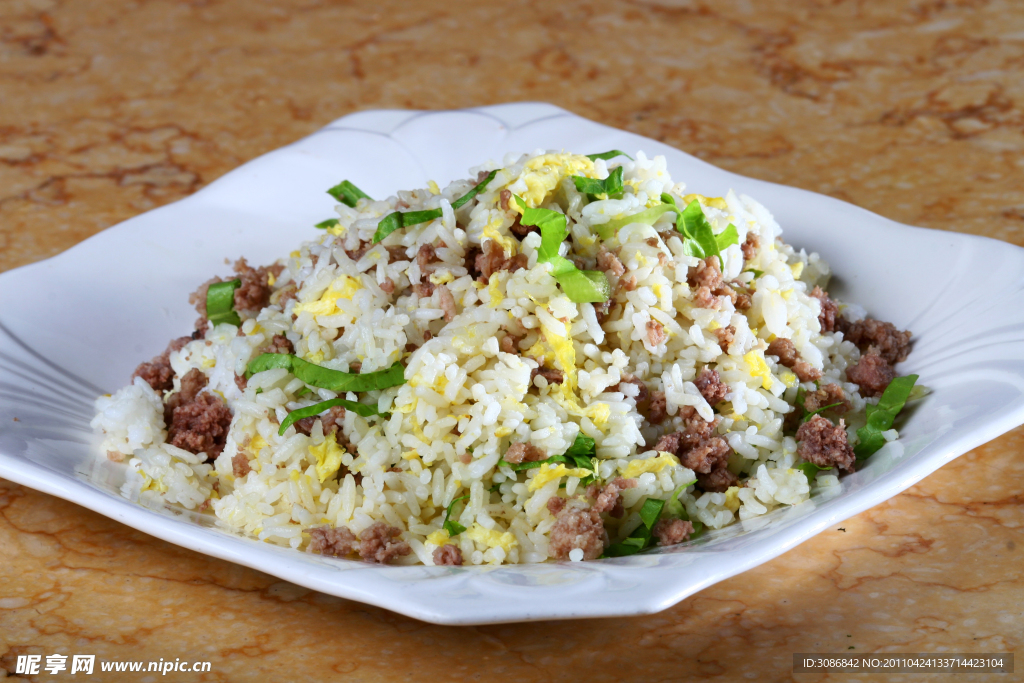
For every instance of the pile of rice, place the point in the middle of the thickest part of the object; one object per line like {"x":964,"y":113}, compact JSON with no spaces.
{"x":465,"y":400}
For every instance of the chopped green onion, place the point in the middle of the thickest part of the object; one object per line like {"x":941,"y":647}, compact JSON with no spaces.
{"x":220,"y":302}
{"x":608,"y":155}
{"x":326,"y":378}
{"x":453,"y":528}
{"x":317,"y":408}
{"x":881,"y":416}
{"x":808,"y":416}
{"x":673,"y":508}
{"x":329,"y":223}
{"x":810,"y":470}
{"x":757,"y":273}
{"x":480,"y":187}
{"x":580,"y":286}
{"x":398,"y":219}
{"x":609,"y":186}
{"x":302,"y":391}
{"x":347,"y":193}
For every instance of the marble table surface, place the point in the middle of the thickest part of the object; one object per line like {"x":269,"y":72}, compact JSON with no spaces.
{"x":913,"y":109}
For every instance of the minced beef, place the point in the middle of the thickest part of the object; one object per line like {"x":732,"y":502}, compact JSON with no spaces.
{"x":388,"y":286}
{"x":642,"y":392}
{"x":492,"y":259}
{"x":872,"y":373}
{"x":608,"y":498}
{"x":240,"y":465}
{"x":658,"y":410}
{"x":655,"y":332}
{"x":426,"y":255}
{"x":725,"y":335}
{"x":157,"y":372}
{"x":577,"y":527}
{"x":827,"y":395}
{"x":279,"y":344}
{"x":520,"y":452}
{"x":672,"y":531}
{"x":697,"y":446}
{"x":824,"y":444}
{"x":749,"y":246}
{"x":192,"y":383}
{"x":829,"y":310}
{"x":447,"y":556}
{"x":710,"y":386}
{"x":788,"y":356}
{"x":423,"y":289}
{"x":447,"y":303}
{"x":377,"y":544}
{"x":609,"y":262}
{"x":508,"y":343}
{"x":201,"y":425}
{"x":888,"y":342}
{"x":552,"y":375}
{"x":336,"y":542}
{"x":718,"y":479}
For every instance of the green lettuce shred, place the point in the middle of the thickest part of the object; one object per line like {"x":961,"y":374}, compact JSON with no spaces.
{"x":399,"y":219}
{"x":612,"y":185}
{"x":609,"y":155}
{"x":579,"y":285}
{"x":453,"y":528}
{"x":220,"y":302}
{"x":810,"y":470}
{"x":881,"y":416}
{"x":315,"y":409}
{"x":329,"y":223}
{"x":326,"y":378}
{"x":480,"y":187}
{"x":347,"y":193}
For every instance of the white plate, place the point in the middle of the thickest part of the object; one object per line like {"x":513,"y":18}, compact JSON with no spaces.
{"x":76,"y":325}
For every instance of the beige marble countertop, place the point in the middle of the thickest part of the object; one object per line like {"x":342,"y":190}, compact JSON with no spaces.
{"x":913,"y":109}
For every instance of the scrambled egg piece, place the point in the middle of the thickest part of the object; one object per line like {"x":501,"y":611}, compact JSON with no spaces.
{"x":547,"y":473}
{"x":441,"y":278}
{"x":439,"y":537}
{"x":492,"y":538}
{"x":328,"y":457}
{"x":788,"y":378}
{"x":758,"y":367}
{"x":637,"y":467}
{"x":798,"y":269}
{"x":432,"y":186}
{"x":732,"y":498}
{"x":491,"y":232}
{"x":256,"y":444}
{"x":542,"y":174}
{"x":344,"y":287}
{"x":713,"y":202}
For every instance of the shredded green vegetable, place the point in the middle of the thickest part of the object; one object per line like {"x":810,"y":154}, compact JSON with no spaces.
{"x":611,"y":185}
{"x":326,"y":378}
{"x":808,"y":416}
{"x":398,"y":219}
{"x":608,"y":155}
{"x":329,"y":223}
{"x":579,"y":285}
{"x":316,"y":409}
{"x":220,"y":302}
{"x":347,"y":193}
{"x":480,"y":187}
{"x":650,"y":512}
{"x":810,"y":470}
{"x":881,"y":416}
{"x":647,"y":217}
{"x":701,"y":239}
{"x":453,"y":528}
